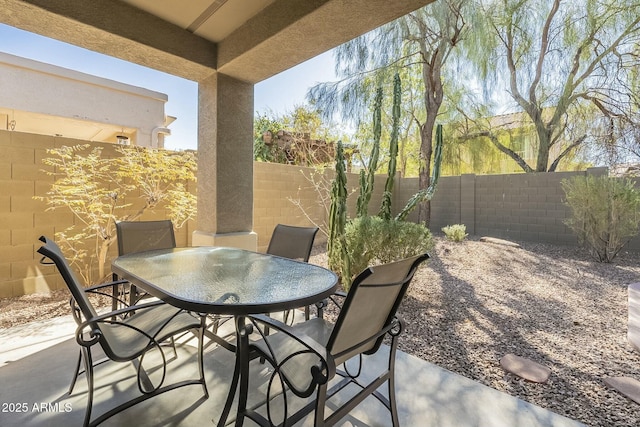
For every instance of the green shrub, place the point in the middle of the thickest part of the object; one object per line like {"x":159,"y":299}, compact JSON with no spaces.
{"x":372,"y":240}
{"x":455,"y":232}
{"x":605,"y":213}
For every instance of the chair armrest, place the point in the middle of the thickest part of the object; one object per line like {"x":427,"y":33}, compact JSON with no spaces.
{"x":307,"y":342}
{"x":97,"y":290}
{"x":110,"y":318}
{"x":321,"y":305}
{"x":105,"y":285}
{"x":125,"y":310}
{"x":340,"y":294}
{"x":303,"y":339}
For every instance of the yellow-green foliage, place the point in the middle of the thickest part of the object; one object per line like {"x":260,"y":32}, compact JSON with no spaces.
{"x":605,"y":213}
{"x":455,"y":232}
{"x":100,"y":190}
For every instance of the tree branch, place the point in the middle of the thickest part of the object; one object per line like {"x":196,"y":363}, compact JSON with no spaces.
{"x":544,"y":46}
{"x":506,"y":150}
{"x":566,"y":151}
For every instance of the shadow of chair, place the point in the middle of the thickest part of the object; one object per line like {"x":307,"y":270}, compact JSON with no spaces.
{"x":305,"y":356}
{"x":124,"y":335}
{"x":295,"y":243}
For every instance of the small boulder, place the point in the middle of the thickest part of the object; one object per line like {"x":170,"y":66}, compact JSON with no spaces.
{"x":629,"y":387}
{"x":525,"y":368}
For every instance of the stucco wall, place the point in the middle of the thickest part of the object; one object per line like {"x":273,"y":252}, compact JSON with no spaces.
{"x":44,"y":89}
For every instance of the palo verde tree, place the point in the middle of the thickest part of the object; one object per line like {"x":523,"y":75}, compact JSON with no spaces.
{"x":422,"y":41}
{"x":556,"y":58}
{"x":99,"y":190}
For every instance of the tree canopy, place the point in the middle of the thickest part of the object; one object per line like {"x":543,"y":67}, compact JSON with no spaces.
{"x":569,"y":65}
{"x":420,"y":43}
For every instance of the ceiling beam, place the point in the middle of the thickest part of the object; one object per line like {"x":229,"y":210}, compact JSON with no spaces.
{"x":117,"y":29}
{"x":285,"y":34}
{"x":289,"y":32}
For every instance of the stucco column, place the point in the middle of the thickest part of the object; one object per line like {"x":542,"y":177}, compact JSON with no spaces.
{"x":225,"y":163}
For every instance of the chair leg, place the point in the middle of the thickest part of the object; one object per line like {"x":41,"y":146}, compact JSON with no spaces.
{"x":321,"y":401}
{"x":215,"y":324}
{"x":76,"y":372}
{"x":393,"y":407}
{"x":88,"y":367}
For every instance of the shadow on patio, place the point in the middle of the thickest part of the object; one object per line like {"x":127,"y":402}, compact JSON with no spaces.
{"x":37,"y":360}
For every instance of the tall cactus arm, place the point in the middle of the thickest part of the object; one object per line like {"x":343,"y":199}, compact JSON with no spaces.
{"x":366,"y":186}
{"x":385,"y":209}
{"x":338,"y":209}
{"x":427,"y":193}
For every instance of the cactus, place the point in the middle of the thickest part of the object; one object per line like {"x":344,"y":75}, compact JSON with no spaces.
{"x":337,"y":213}
{"x":366,"y":182}
{"x":385,"y":209}
{"x":427,"y":193}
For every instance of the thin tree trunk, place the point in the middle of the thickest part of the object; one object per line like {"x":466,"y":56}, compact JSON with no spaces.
{"x":426,"y":150}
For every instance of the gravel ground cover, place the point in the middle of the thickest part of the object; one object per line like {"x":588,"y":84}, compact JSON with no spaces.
{"x":473,"y":302}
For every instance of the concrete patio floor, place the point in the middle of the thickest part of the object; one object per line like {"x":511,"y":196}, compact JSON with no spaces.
{"x":36,"y":362}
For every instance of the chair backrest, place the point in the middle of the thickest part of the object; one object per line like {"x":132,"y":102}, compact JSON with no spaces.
{"x":370,"y":306}
{"x":52,"y":251}
{"x":139,"y":236}
{"x":292,"y":242}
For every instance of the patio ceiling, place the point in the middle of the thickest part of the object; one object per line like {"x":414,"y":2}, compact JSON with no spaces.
{"x":249,"y":40}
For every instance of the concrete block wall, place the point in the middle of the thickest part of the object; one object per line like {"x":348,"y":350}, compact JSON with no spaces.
{"x":528,"y":207}
{"x":522,"y":207}
{"x":23,"y":219}
{"x":518,"y":206}
{"x":275,"y":187}
{"x":515,"y":206}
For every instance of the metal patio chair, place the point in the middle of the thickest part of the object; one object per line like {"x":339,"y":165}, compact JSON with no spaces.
{"x":293,"y":242}
{"x":305,"y":356}
{"x":123,"y":335}
{"x":140,"y":236}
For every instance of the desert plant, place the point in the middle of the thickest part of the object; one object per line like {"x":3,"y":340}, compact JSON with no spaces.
{"x":100,"y":191}
{"x":385,"y":209}
{"x":427,"y":193}
{"x":605,"y":213}
{"x":367,"y":178}
{"x":338,"y":215}
{"x":455,"y":232}
{"x":373,"y":240}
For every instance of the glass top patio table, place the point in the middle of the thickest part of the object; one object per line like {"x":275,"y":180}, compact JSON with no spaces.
{"x":225,"y":280}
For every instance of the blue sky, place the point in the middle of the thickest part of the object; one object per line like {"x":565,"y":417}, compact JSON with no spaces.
{"x":278,"y":94}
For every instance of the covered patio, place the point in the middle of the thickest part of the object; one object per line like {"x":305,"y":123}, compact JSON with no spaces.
{"x":226,"y":46}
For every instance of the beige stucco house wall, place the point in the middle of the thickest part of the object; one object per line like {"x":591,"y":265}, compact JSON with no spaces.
{"x":48,"y":100}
